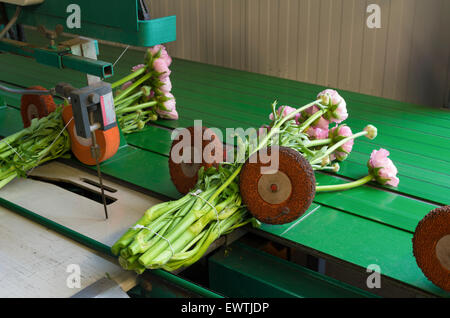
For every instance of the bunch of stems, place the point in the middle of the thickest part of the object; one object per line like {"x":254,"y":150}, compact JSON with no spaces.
{"x":174,"y":234}
{"x":134,"y":106}
{"x":45,"y":139}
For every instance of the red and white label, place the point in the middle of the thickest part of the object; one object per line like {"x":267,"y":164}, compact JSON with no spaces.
{"x":107,"y":103}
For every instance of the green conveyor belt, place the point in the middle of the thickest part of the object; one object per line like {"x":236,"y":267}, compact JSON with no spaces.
{"x":367,"y":225}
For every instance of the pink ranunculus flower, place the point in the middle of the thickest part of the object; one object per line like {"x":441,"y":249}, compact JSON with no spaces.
{"x":321,"y":123}
{"x":165,"y":56}
{"x":284,"y":111}
{"x":160,"y":66}
{"x":338,"y":133}
{"x":382,"y":168}
{"x":317,"y":133}
{"x":166,"y":86}
{"x":168,"y":103}
{"x":337,"y":112}
{"x":155,"y":49}
{"x":168,"y":115}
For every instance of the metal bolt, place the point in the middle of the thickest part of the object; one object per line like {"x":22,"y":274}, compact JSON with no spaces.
{"x":94,"y":98}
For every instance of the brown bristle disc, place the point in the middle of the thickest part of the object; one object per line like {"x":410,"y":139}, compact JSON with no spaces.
{"x":431,"y":246}
{"x":302,"y":187}
{"x":184,"y":175}
{"x":35,"y":106}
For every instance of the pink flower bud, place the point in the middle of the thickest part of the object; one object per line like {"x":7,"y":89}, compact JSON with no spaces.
{"x":160,"y":66}
{"x":166,"y":57}
{"x":155,"y":49}
{"x":382,"y":168}
{"x":160,"y":51}
{"x":168,"y":103}
{"x":166,"y":86}
{"x":336,"y":167}
{"x":168,"y":115}
{"x":371,"y":131}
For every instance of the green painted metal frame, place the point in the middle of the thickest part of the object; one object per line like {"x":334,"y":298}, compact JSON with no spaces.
{"x":115,"y":21}
{"x":240,"y":270}
{"x":59,"y":58}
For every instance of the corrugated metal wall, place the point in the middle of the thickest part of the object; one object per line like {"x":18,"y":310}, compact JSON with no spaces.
{"x":325,"y":42}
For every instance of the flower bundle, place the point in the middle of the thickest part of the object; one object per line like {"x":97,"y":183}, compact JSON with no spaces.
{"x":145,"y":94}
{"x":174,"y":234}
{"x":45,"y":139}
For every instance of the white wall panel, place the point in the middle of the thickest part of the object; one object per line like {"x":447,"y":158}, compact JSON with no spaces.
{"x":325,"y":42}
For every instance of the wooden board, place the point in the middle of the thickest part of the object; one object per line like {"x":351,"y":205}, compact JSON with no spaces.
{"x":34,"y":261}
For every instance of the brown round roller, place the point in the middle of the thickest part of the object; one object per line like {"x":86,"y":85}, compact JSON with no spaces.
{"x":194,"y":147}
{"x":431,"y":246}
{"x":35,"y":106}
{"x":282,"y":196}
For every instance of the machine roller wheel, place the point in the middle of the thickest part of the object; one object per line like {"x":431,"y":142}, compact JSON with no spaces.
{"x":208,"y":149}
{"x":431,"y":246}
{"x":35,"y":106}
{"x":282,"y":196}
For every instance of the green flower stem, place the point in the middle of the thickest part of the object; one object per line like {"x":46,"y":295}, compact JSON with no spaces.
{"x":194,"y":230}
{"x":7,"y":180}
{"x":124,"y":105}
{"x":185,"y":252}
{"x":305,"y":125}
{"x":319,"y":142}
{"x":147,"y":258}
{"x":132,"y":87}
{"x":181,"y":258}
{"x":136,"y":107}
{"x":12,"y":138}
{"x":226,"y":183}
{"x":132,"y":98}
{"x":139,"y":244}
{"x":129,"y":77}
{"x":146,"y":245}
{"x":151,"y":214}
{"x":128,"y":118}
{"x":336,"y":146}
{"x":216,"y":231}
{"x":133,"y":116}
{"x":319,"y":167}
{"x":279,"y":124}
{"x":345,"y":186}
{"x":129,"y":128}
